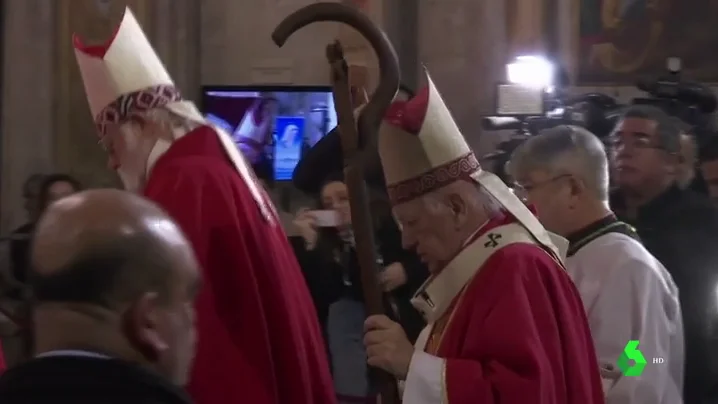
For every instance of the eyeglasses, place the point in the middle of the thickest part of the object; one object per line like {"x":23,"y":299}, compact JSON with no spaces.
{"x":636,"y":141}
{"x":523,"y":189}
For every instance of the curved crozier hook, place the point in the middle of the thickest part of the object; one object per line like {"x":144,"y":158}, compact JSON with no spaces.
{"x":372,"y":115}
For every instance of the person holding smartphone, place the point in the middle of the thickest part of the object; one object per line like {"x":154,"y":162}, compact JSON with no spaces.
{"x":326,"y":253}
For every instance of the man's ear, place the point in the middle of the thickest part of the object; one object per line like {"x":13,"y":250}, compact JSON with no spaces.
{"x":576,"y":185}
{"x":673,"y":162}
{"x":458,"y":207}
{"x":148,"y":122}
{"x":157,"y":127}
{"x":141,"y":326}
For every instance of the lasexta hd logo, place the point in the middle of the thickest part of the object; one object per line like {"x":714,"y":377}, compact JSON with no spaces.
{"x":631,"y":353}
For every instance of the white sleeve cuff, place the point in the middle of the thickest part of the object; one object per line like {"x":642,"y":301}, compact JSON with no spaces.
{"x":425,"y":379}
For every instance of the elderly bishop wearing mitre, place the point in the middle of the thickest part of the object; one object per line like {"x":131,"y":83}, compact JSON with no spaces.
{"x":505,"y":323}
{"x":259,"y":340}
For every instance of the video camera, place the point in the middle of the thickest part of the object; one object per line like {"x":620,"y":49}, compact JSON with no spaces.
{"x":535,"y":98}
{"x":529,"y":103}
{"x":691,"y":102}
{"x":594,"y":111}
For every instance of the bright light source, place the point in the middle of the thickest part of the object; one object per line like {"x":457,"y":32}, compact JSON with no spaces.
{"x":531,"y":71}
{"x":674,"y":65}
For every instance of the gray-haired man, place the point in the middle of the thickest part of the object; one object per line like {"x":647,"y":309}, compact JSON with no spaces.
{"x":627,"y":293}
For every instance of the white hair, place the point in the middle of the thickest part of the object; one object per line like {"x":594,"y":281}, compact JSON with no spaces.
{"x":479,"y":199}
{"x":564,"y":149}
{"x":174,"y":122}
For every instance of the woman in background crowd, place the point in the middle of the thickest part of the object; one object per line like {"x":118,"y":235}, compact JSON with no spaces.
{"x":57,"y":186}
{"x":326,"y":254}
{"x":327,"y":257}
{"x":20,"y":237}
{"x":46,"y":190}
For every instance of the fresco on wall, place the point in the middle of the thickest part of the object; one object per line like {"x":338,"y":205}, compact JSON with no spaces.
{"x":622,"y":39}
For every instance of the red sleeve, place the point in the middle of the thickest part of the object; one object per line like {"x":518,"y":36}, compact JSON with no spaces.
{"x":535,"y":343}
{"x":232,"y":343}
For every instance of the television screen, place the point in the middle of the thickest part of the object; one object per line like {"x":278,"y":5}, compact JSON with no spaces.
{"x":272,"y":126}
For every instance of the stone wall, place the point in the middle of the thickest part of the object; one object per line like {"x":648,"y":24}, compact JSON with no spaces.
{"x":27,"y":104}
{"x":462,"y":44}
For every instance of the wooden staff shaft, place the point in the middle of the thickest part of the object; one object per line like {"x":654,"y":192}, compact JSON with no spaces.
{"x":359,"y":205}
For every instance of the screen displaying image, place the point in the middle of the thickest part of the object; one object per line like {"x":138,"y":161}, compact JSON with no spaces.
{"x":272,"y":126}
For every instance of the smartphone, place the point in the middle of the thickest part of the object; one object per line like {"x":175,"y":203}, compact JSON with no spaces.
{"x":326,"y":218}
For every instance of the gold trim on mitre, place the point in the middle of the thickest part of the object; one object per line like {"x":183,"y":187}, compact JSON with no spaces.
{"x":418,"y":163}
{"x":125,"y":76}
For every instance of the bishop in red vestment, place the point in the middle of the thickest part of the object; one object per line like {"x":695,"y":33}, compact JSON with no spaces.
{"x":258,"y":336}
{"x":505,"y":323}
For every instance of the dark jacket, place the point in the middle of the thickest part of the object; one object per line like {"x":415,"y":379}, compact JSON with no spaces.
{"x":325,"y":271}
{"x":85,"y":380}
{"x":680,"y":228}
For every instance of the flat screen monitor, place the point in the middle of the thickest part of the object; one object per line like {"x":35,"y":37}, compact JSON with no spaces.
{"x":272,"y":125}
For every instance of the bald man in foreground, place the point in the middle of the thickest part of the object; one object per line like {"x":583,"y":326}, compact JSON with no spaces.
{"x":114,"y":281}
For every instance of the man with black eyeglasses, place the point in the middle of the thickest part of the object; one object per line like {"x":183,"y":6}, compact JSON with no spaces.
{"x":679,"y":227}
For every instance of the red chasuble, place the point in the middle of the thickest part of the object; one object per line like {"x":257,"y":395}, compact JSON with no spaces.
{"x":515,"y":334}
{"x":258,"y":336}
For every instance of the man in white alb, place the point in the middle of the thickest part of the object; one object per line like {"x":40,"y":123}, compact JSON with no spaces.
{"x":627,"y":293}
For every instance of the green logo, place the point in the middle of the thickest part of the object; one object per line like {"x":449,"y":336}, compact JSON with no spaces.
{"x":631,"y":353}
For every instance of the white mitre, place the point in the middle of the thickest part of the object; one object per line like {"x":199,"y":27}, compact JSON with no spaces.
{"x":125,"y":77}
{"x":422,"y":150}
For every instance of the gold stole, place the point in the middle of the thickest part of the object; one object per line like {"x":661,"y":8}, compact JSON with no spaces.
{"x":437,"y":331}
